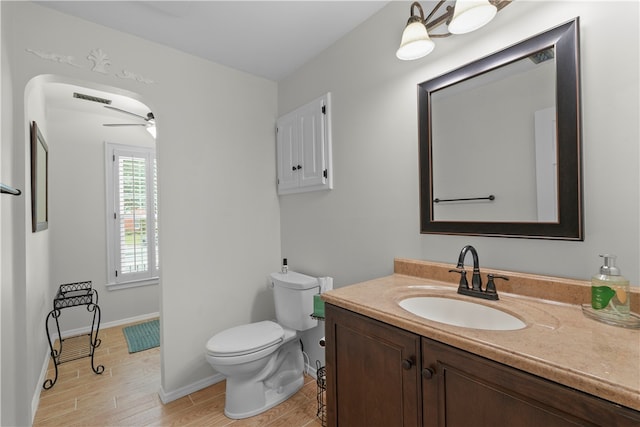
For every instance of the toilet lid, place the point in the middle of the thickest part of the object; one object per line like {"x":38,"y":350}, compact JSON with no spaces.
{"x":245,"y":339}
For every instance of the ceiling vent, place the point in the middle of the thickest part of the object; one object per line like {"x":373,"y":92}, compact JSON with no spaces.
{"x":91,"y":98}
{"x":543,"y":55}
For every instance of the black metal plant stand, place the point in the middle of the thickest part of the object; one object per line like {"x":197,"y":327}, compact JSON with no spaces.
{"x":73,"y":295}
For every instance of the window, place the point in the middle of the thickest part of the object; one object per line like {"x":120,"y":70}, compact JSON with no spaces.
{"x":132,"y":212}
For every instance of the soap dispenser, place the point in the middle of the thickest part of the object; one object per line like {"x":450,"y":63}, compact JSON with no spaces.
{"x":610,"y":290}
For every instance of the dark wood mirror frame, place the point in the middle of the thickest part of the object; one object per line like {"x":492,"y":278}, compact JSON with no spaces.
{"x":565,"y":40}
{"x":39,"y":180}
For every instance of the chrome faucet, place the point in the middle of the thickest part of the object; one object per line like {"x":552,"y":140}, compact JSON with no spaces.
{"x":476,"y":281}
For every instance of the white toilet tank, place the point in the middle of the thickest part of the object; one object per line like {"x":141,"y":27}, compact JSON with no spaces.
{"x":293,"y":295}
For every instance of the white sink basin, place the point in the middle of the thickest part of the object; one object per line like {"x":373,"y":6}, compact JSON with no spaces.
{"x":462,"y":313}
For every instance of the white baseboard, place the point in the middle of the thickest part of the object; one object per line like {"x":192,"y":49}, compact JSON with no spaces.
{"x":35,"y":401}
{"x":87,"y":329}
{"x":170,"y":396}
{"x":311,"y":371}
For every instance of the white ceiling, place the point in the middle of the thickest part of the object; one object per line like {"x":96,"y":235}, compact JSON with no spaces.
{"x":270,"y":39}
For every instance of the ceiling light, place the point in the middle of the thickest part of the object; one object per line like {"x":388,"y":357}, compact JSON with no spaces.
{"x":415,"y":38}
{"x":464,"y":17}
{"x":469,"y":15}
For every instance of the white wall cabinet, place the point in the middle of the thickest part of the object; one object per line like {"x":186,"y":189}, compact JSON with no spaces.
{"x":304,"y":148}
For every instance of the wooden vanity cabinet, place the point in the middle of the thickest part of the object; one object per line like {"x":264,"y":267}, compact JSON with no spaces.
{"x":469,"y":390}
{"x":372,"y":373}
{"x":380,"y":375}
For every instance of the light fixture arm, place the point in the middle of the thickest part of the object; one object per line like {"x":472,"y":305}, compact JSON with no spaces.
{"x":433,"y":12}
{"x":413,"y":12}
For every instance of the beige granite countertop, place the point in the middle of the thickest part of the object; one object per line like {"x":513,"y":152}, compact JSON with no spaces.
{"x":559,"y":343}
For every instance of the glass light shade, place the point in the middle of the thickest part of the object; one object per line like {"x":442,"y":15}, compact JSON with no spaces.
{"x":415,"y":42}
{"x":469,"y":15}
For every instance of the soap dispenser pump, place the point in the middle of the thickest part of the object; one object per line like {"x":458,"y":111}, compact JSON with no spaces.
{"x":610,"y":290}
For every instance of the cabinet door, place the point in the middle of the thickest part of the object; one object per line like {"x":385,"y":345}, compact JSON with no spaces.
{"x":372,"y":377}
{"x":287,"y":150}
{"x":311,"y":127}
{"x":304,"y":148}
{"x":468,"y":390}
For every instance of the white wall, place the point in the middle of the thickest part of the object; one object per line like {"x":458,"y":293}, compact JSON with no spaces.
{"x":11,"y":244}
{"x":38,"y":292}
{"x":372,"y":214}
{"x":219,"y":215}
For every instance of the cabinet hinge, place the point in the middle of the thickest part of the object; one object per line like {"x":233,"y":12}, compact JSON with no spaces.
{"x":116,"y":273}
{"x":324,"y":109}
{"x":324,"y":173}
{"x":114,"y":157}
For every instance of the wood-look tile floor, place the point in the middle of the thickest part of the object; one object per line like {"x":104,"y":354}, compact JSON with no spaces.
{"x":126,"y":394}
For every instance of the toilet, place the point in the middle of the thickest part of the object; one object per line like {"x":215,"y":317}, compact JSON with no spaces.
{"x":262,"y":361}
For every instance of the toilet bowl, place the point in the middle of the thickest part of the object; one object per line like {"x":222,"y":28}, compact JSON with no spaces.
{"x":262,"y":361}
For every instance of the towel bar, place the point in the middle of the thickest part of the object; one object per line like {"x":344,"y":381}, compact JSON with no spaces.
{"x":5,"y":189}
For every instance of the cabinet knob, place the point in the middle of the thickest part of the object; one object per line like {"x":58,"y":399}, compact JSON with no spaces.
{"x":407,"y":364}
{"x":427,"y":373}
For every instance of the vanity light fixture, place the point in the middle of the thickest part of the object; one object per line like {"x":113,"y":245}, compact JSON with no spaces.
{"x":465,"y":16}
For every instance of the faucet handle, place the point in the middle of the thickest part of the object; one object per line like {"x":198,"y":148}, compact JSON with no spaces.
{"x":463,"y":278}
{"x":491,"y":286}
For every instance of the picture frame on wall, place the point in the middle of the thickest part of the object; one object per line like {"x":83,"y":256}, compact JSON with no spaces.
{"x":39,"y":180}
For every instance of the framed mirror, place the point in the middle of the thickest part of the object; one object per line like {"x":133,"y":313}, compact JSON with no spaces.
{"x":500,"y":143}
{"x":39,"y":180}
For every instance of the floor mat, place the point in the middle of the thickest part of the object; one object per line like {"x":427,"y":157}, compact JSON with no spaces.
{"x":142,"y":336}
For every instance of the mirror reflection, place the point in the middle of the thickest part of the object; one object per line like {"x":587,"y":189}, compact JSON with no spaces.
{"x":495,"y":125}
{"x":39,"y":180}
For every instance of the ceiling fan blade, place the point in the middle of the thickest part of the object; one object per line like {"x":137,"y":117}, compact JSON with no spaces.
{"x":124,"y":124}
{"x":126,"y":112}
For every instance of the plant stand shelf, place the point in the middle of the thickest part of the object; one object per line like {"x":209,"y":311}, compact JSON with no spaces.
{"x":77,"y":347}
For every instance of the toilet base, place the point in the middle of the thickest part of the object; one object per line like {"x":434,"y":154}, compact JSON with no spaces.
{"x":280,"y":379}
{"x":271,"y":399}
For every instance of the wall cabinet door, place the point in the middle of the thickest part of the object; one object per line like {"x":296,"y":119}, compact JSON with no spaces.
{"x":287,"y":151}
{"x":468,"y":390}
{"x":372,"y":374}
{"x":304,"y":148}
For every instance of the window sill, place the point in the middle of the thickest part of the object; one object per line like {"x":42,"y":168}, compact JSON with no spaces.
{"x":132,"y":284}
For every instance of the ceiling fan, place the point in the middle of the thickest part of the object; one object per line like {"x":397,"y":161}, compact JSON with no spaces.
{"x":149,"y":120}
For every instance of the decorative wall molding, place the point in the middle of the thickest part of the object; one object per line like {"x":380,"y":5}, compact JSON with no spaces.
{"x":101,"y":63}
{"x":56,"y":57}
{"x":125,"y":74}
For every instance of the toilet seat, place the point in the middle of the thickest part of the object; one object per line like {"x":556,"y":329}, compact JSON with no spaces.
{"x":245,"y":339}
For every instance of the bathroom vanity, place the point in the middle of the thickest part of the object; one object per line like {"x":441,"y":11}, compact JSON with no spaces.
{"x":389,"y":367}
